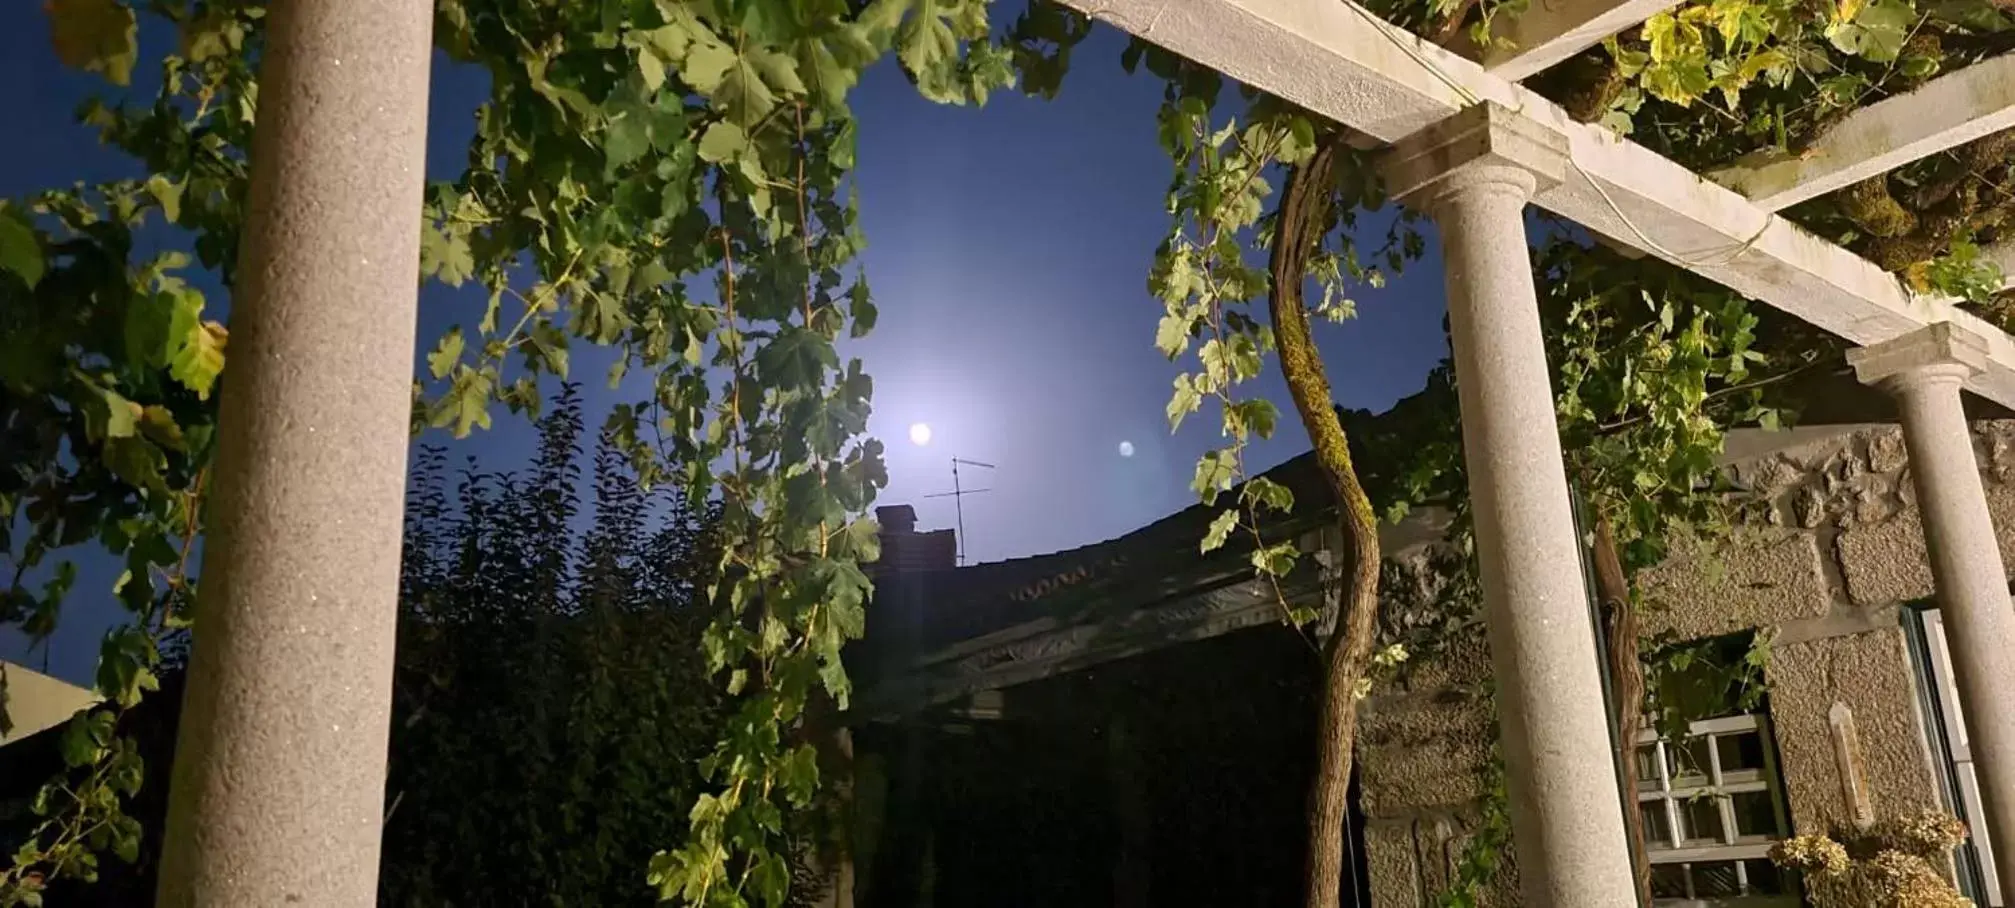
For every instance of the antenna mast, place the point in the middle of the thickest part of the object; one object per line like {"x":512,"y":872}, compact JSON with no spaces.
{"x":958,"y":495}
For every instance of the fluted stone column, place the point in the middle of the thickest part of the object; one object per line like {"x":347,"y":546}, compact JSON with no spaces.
{"x":1924,"y":371}
{"x":278,"y":788}
{"x":1474,"y":173}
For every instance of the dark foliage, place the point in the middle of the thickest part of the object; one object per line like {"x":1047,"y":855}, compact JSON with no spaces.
{"x":551,"y":702}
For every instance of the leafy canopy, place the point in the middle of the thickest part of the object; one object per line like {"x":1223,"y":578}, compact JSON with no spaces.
{"x":668,"y":179}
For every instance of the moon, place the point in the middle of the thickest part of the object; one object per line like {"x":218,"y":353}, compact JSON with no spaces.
{"x":1126,"y":449}
{"x":920,"y":433}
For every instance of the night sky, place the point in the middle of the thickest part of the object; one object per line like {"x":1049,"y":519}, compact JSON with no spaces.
{"x":1008,"y":249}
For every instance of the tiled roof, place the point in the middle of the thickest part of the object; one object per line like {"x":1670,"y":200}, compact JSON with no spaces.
{"x":1160,"y":560}
{"x":1143,"y":566}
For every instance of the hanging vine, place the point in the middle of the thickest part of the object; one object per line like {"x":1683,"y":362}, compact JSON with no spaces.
{"x":107,"y":402}
{"x":1771,"y":78}
{"x":666,"y":178}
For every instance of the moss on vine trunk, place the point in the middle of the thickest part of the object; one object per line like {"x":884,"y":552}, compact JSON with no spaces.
{"x":1347,"y":653}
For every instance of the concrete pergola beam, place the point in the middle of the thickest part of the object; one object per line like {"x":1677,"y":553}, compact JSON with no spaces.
{"x":2003,"y":255}
{"x":1551,"y":32}
{"x":1944,"y":113}
{"x":1343,"y":62}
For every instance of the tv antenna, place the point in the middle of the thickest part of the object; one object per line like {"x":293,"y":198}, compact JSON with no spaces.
{"x":958,"y":496}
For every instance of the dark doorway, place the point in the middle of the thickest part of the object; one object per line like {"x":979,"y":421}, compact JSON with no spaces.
{"x":1178,"y":777}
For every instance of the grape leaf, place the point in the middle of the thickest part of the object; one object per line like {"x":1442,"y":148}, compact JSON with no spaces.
{"x":21,"y":247}
{"x":100,"y":36}
{"x":201,"y":358}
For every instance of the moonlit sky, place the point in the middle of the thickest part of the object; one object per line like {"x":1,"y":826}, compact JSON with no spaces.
{"x":1008,"y":249}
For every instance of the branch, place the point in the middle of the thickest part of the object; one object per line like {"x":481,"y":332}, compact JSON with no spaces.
{"x":1621,"y":424}
{"x":1303,"y":220}
{"x":1452,"y":26}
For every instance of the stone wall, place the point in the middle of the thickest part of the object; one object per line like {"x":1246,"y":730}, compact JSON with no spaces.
{"x":1425,"y":741}
{"x":1828,"y":549}
{"x":1870,"y":673}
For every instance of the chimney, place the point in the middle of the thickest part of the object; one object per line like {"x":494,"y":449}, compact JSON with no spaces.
{"x":904,"y":550}
{"x":897,"y":519}
{"x":895,"y":619}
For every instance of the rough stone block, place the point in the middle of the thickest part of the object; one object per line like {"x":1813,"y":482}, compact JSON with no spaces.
{"x":1418,"y":753}
{"x":1769,"y":476}
{"x":1441,"y":842}
{"x":1410,"y":861}
{"x":1390,"y":865}
{"x":1887,"y":563}
{"x":1756,"y":579}
{"x":1466,"y":662}
{"x":1871,"y":673}
{"x":1438,"y":839}
{"x":1887,"y":452}
{"x":1997,"y":448}
{"x":2001,"y":506}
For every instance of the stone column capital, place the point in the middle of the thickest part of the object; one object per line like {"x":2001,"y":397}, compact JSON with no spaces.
{"x":1487,"y":147}
{"x":1941,"y":354}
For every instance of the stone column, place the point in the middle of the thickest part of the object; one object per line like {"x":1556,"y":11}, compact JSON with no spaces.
{"x":1924,"y":371}
{"x":277,"y":795}
{"x":1474,"y":173}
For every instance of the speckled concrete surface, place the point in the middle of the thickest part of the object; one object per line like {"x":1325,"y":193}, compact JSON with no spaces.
{"x":1756,"y":578}
{"x":1871,"y":673}
{"x":1474,"y":173}
{"x":278,"y":789}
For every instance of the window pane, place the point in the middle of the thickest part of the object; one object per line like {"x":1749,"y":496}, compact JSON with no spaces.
{"x":1741,"y":752}
{"x":1689,"y":761}
{"x":1657,"y":827}
{"x":1765,"y":878}
{"x":1668,"y":881}
{"x":1754,"y":815}
{"x":1692,"y":813}
{"x":1702,"y":817}
{"x":1647,"y":768}
{"x":1715,"y":879}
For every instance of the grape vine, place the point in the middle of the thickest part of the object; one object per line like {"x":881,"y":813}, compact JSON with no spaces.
{"x":670,"y":179}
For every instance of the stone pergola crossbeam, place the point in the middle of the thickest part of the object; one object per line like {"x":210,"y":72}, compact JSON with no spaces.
{"x":1944,"y":113}
{"x":1343,"y":62}
{"x":2002,"y":254}
{"x":1552,"y":31}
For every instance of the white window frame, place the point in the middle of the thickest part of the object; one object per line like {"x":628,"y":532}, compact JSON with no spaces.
{"x":1674,"y":793}
{"x":1961,"y":752}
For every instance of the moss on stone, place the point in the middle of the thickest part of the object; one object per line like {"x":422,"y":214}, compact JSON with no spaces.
{"x":1870,"y":206}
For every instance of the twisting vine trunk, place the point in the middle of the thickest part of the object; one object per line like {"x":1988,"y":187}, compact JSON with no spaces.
{"x":1619,"y":620}
{"x":1348,"y":650}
